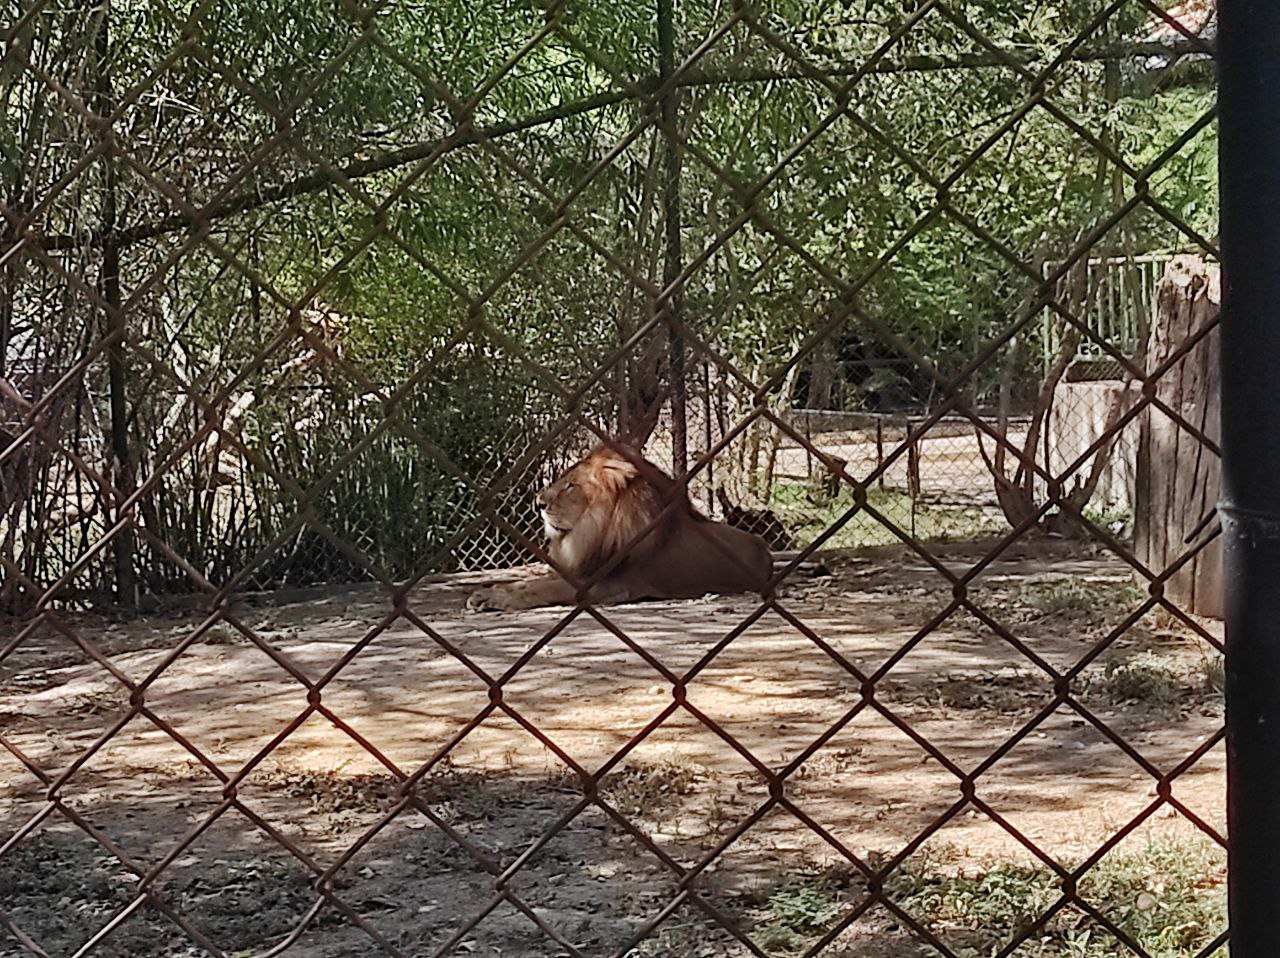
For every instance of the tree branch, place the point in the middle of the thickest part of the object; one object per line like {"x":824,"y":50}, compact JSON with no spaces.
{"x":930,"y":63}
{"x":319,"y":180}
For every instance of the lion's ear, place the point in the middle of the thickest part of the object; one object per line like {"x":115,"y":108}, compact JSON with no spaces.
{"x":615,"y":471}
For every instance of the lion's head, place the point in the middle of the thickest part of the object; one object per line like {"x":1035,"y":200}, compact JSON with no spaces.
{"x":601,"y":504}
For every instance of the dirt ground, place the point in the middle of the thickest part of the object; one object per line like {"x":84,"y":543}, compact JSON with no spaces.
{"x":694,"y":786}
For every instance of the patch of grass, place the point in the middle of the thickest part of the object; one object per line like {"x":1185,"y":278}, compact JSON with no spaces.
{"x":680,"y":938}
{"x":995,"y":904}
{"x":330,"y":791}
{"x":806,"y":907}
{"x":642,"y":789}
{"x":807,"y":512}
{"x":1002,"y":692}
{"x":1117,"y":521}
{"x":179,"y":770}
{"x":223,"y":633}
{"x":1169,"y":897}
{"x":775,"y":939}
{"x":1069,"y":595}
{"x":669,"y":941}
{"x":1214,"y":674}
{"x":792,"y":913}
{"x":1145,"y":678}
{"x":828,"y":762}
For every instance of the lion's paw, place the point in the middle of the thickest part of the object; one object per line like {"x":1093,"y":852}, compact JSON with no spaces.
{"x":492,"y":599}
{"x":481,"y":601}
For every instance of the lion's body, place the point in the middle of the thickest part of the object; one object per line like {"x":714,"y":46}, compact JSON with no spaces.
{"x":597,"y":514}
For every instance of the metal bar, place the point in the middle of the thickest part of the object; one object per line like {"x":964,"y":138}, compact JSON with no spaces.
{"x":673,"y":261}
{"x":1249,"y":160}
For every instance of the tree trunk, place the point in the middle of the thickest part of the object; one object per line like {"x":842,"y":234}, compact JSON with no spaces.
{"x":1177,"y":477}
{"x":643,"y":395}
{"x":822,"y":376}
{"x":673,"y":260}
{"x":121,"y":473}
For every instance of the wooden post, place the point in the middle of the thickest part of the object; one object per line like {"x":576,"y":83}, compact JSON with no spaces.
{"x":913,"y":465}
{"x":808,"y":456}
{"x":880,"y":447}
{"x":1177,"y":477}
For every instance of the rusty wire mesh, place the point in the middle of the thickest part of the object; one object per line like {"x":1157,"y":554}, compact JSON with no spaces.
{"x":211,"y":394}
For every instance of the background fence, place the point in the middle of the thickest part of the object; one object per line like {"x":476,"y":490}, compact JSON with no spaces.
{"x":296,"y":297}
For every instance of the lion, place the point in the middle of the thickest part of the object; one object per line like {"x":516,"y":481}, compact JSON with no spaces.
{"x":599,"y":511}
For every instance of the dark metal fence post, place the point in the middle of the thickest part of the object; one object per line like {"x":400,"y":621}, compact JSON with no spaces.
{"x":1249,"y":123}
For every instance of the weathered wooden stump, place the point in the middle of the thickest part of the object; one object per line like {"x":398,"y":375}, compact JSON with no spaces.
{"x":1177,"y":476}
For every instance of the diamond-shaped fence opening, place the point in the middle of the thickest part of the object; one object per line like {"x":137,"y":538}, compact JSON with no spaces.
{"x":301,"y":311}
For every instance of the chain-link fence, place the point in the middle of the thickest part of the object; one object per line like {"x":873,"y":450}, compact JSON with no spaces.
{"x":300,"y":308}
